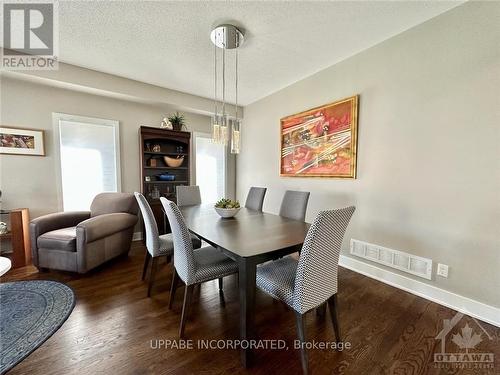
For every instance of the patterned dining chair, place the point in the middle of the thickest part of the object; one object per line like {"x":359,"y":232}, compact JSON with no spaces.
{"x":310,"y":281}
{"x":255,"y":198}
{"x":188,"y":195}
{"x":192,"y":267}
{"x":157,"y":245}
{"x":294,"y":205}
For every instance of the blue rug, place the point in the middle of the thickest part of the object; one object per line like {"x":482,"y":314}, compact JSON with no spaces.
{"x":30,"y":312}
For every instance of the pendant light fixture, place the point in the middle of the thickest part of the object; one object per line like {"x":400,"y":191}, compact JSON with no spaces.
{"x":225,"y":128}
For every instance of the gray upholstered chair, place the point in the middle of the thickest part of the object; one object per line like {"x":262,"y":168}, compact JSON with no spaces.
{"x":157,"y":245}
{"x":294,"y":205}
{"x":311,"y":281}
{"x":80,"y":241}
{"x":188,"y":195}
{"x":193,"y":267}
{"x":255,"y":198}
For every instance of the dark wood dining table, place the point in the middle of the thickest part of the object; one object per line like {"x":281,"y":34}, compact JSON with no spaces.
{"x":249,"y":238}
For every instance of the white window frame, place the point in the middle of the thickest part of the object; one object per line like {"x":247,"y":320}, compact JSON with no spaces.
{"x":56,"y":120}
{"x":193,"y":166}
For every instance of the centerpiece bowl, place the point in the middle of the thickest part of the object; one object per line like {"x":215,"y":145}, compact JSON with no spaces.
{"x":227,"y":208}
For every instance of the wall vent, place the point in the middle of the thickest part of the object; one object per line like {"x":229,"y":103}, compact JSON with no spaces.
{"x":393,"y":258}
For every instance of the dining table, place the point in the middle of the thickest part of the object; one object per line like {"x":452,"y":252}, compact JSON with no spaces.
{"x":249,"y":238}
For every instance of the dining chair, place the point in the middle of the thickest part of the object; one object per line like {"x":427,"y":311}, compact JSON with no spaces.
{"x":188,"y":195}
{"x":310,"y":281}
{"x":157,"y":245}
{"x":255,"y":198}
{"x":192,"y":267}
{"x":294,"y":205}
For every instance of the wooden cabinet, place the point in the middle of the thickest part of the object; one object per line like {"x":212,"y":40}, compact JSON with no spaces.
{"x":18,"y":236}
{"x":155,"y":144}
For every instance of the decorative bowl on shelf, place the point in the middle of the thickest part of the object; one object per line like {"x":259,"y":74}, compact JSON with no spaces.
{"x":174,"y":162}
{"x":166,"y":177}
{"x":227,"y":208}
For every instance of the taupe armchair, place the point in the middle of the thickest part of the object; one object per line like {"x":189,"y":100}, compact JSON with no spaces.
{"x":80,"y":241}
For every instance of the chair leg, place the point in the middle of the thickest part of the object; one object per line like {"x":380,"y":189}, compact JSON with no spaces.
{"x":333,"y":305}
{"x":146,"y":263}
{"x":321,"y":311}
{"x":302,"y":338}
{"x":220,"y":284}
{"x":173,"y":288}
{"x":154,"y":266}
{"x":188,"y":294}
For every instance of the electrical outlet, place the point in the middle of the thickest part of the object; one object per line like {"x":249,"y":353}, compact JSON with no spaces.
{"x":442,"y":270}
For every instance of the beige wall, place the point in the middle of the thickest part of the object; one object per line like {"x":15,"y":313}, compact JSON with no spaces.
{"x":30,"y":181}
{"x":429,"y":135}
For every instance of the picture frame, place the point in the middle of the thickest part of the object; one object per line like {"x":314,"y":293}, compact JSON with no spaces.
{"x":321,"y":141}
{"x":21,"y":141}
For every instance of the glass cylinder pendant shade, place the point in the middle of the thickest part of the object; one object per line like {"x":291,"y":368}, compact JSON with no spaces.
{"x":215,"y":129}
{"x":224,"y":132}
{"x":235,"y":136}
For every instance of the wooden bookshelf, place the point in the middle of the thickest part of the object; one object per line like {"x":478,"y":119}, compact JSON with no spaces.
{"x":172,"y":143}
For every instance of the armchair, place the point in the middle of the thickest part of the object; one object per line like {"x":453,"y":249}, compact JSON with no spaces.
{"x":82,"y":240}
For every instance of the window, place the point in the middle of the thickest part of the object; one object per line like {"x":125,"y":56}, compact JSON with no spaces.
{"x":89,"y":159}
{"x":210,"y":168}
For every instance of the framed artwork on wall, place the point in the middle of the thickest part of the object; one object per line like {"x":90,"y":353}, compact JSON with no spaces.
{"x":321,"y":142}
{"x":17,"y":141}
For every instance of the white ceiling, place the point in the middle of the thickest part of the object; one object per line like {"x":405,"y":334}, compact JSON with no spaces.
{"x":167,"y":43}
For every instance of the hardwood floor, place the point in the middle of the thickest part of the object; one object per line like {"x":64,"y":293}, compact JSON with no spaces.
{"x":114,"y":325}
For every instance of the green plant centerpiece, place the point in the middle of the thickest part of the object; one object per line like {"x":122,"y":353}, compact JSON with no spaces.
{"x":227,"y":203}
{"x":227,"y":208}
{"x":177,"y":120}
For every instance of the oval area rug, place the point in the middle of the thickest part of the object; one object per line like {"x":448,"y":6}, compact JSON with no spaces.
{"x":30,"y":312}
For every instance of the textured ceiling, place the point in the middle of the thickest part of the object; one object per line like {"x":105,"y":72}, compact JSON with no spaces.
{"x":167,"y":43}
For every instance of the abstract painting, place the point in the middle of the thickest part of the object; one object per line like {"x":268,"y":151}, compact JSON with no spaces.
{"x":321,"y":142}
{"x":21,"y":141}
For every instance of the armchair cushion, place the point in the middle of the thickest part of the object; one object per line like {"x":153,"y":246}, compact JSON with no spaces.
{"x":59,"y":239}
{"x":50,"y":222}
{"x":104,"y":225}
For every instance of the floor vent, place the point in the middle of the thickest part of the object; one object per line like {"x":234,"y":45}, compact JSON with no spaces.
{"x":393,"y":258}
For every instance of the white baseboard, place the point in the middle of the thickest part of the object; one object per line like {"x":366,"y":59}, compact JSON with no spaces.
{"x":476,"y":309}
{"x":137,"y":236}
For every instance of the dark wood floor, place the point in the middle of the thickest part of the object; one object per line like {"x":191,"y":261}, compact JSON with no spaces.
{"x":113,"y":323}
